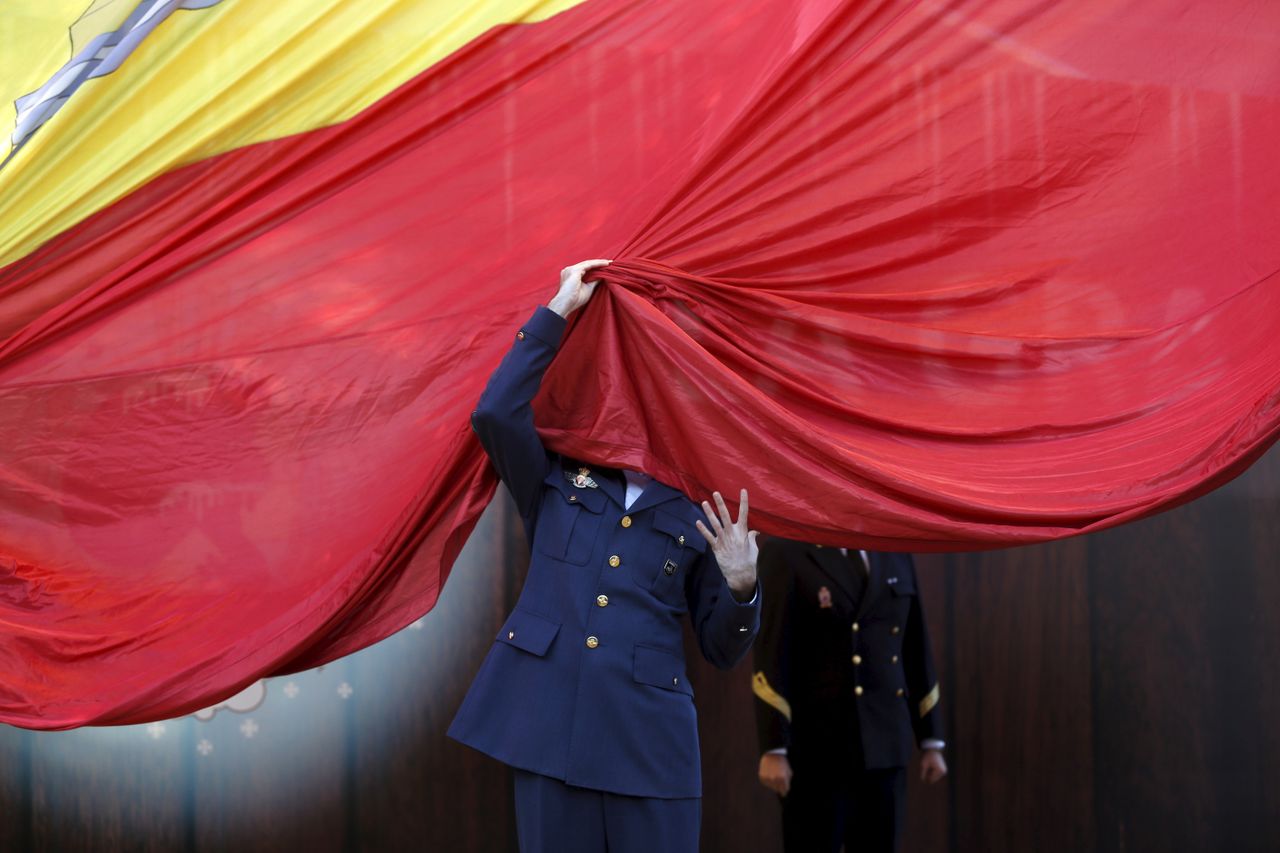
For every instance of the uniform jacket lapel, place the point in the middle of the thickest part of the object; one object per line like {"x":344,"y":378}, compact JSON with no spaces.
{"x":607,"y":480}
{"x":875,"y":584}
{"x":613,"y":484}
{"x":655,"y":493}
{"x":836,"y":567}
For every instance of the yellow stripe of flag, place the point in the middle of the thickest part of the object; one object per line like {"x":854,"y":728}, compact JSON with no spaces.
{"x":204,"y":82}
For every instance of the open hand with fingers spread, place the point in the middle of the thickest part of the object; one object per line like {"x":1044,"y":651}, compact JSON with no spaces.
{"x":733,"y":543}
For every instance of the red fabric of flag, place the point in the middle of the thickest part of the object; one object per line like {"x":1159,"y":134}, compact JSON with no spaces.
{"x":920,"y":275}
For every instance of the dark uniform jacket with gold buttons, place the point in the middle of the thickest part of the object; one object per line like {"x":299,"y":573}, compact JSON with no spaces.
{"x":586,"y":680}
{"x":843,"y":670}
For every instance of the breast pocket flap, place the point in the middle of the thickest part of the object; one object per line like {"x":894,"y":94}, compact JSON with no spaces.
{"x":682,"y":531}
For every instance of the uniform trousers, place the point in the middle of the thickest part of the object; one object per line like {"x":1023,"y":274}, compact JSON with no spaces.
{"x":552,"y":817}
{"x":862,"y":809}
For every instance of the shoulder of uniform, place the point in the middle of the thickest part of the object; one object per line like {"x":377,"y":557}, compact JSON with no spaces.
{"x":772,"y":546}
{"x":688,"y":507}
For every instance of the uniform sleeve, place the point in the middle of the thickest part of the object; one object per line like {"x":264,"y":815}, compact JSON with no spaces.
{"x":724,"y":627}
{"x":922,"y":679}
{"x":770,"y":678}
{"x":503,"y":419}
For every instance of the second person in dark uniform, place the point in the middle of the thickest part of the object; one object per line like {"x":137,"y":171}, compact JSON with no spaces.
{"x":846,"y":690}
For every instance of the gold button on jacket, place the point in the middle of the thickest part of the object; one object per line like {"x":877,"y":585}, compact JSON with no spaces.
{"x":615,"y":561}
{"x":602,"y":601}
{"x":592,"y":642}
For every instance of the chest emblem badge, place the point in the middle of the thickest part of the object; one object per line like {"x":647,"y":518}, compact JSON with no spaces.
{"x":582,"y":479}
{"x":824,"y":598}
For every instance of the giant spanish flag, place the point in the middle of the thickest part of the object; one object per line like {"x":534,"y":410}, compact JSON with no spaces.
{"x":920,"y":275}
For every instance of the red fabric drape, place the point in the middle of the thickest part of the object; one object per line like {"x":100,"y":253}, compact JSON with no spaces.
{"x":921,"y":275}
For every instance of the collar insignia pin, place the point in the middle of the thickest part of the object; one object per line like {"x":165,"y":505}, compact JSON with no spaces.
{"x":581,"y":480}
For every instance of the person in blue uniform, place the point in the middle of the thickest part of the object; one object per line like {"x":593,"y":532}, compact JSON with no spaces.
{"x":846,"y":688}
{"x":584,"y":692}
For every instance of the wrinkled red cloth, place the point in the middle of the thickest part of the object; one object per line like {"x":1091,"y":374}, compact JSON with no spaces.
{"x":920,"y":275}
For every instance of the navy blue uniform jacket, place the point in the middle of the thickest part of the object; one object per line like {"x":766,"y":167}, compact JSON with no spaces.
{"x":586,"y":680}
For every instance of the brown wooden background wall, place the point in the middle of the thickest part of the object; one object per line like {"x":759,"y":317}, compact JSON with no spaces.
{"x":1118,"y":692}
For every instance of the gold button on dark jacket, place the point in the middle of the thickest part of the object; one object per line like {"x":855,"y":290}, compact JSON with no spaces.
{"x":857,"y":660}
{"x":858,"y":690}
{"x":615,"y":561}
{"x":602,"y":600}
{"x":592,"y":642}
{"x":519,"y":336}
{"x":855,"y":626}
{"x":626,"y":521}
{"x":895,"y":629}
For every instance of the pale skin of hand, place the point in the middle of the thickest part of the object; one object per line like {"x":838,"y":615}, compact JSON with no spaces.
{"x":574,"y":292}
{"x":775,"y":770}
{"x":932,"y":766}
{"x":733,"y":544}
